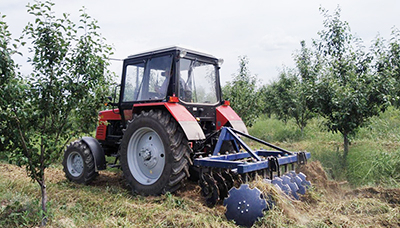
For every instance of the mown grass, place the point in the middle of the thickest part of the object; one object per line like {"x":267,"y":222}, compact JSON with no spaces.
{"x":373,"y":160}
{"x":374,"y":154}
{"x":105,"y":203}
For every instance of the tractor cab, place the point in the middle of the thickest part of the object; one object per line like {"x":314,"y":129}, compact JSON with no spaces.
{"x":173,"y":74}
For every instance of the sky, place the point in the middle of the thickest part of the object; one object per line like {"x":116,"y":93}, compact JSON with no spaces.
{"x":267,"y":32}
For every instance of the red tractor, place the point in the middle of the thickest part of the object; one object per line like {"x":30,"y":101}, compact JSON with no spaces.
{"x":171,"y":123}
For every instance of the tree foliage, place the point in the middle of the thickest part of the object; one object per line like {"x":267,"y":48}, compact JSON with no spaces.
{"x":346,"y":92}
{"x":387,"y":64}
{"x":338,"y":80}
{"x":287,"y":97}
{"x":243,"y":93}
{"x":60,"y":98}
{"x":288,"y":100}
{"x":8,"y":83}
{"x":6,"y":72}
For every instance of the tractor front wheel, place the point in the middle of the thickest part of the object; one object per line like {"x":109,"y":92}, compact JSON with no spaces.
{"x":155,"y":154}
{"x":78,"y":163}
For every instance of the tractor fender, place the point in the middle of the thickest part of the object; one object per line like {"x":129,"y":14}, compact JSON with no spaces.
{"x":225,"y":115}
{"x":97,"y":152}
{"x":185,"y":119}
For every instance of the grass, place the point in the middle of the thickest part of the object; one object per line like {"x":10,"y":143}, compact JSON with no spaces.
{"x":373,"y":163}
{"x":374,"y":152}
{"x":107,"y":203}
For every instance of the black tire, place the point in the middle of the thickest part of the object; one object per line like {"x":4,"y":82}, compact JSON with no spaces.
{"x":155,"y":154}
{"x":78,"y":163}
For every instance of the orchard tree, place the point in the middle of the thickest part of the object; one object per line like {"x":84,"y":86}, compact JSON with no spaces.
{"x":394,"y":59}
{"x":62,"y":94}
{"x":6,"y":74}
{"x":387,"y":64}
{"x":308,"y":64}
{"x":347,"y":93}
{"x":288,"y":99}
{"x":282,"y":95}
{"x":243,"y":93}
{"x":9,"y":85}
{"x":288,"y":95}
{"x":267,"y":104}
{"x":7,"y":65}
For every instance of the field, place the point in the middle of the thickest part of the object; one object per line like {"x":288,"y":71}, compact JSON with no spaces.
{"x":364,"y":192}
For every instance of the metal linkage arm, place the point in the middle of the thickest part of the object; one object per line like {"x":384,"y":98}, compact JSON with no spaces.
{"x":261,"y":141}
{"x":228,"y":134}
{"x":261,"y":159}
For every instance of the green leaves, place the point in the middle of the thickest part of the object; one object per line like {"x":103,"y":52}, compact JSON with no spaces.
{"x":287,"y":97}
{"x":338,"y":80}
{"x":243,"y":93}
{"x":345,"y":89}
{"x":59,"y":100}
{"x":9,"y":86}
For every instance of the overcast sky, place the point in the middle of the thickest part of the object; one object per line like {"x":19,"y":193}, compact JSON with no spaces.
{"x":267,"y":32}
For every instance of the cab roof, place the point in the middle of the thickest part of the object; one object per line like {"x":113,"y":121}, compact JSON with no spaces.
{"x":170,"y":49}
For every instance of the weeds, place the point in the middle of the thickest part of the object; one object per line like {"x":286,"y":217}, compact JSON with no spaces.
{"x":20,"y":211}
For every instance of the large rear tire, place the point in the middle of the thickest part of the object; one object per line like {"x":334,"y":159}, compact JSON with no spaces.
{"x":155,"y":154}
{"x":78,"y":163}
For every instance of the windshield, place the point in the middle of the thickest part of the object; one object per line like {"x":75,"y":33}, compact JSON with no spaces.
{"x":148,"y":81}
{"x":197,"y":82}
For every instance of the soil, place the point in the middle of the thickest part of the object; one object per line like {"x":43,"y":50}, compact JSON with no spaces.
{"x":390,"y":196}
{"x":335,"y":204}
{"x":317,"y":176}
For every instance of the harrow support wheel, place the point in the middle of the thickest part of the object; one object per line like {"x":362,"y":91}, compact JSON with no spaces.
{"x":78,"y":163}
{"x":155,"y":154}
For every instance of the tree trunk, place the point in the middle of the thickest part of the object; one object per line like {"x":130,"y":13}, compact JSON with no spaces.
{"x":346,"y":146}
{"x":44,"y":202}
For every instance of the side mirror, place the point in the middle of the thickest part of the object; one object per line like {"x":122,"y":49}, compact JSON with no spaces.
{"x":112,"y":99}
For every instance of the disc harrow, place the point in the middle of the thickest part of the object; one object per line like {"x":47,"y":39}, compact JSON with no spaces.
{"x":224,"y":178}
{"x":245,"y":205}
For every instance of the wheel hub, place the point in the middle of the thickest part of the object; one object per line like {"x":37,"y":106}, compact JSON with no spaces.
{"x":148,"y":159}
{"x":75,"y":164}
{"x":146,"y":156}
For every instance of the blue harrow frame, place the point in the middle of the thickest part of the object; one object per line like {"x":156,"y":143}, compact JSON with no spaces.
{"x":248,"y":160}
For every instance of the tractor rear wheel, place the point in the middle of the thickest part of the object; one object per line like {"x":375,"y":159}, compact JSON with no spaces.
{"x":78,"y":163}
{"x":155,"y":153}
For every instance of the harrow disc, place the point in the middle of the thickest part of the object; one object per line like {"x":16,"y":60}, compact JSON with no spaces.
{"x":209,"y":189}
{"x":245,"y":205}
{"x":304,"y":181}
{"x":228,"y":179}
{"x":291,"y":184}
{"x":295,"y":178}
{"x":278,"y":182}
{"x":222,"y":187}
